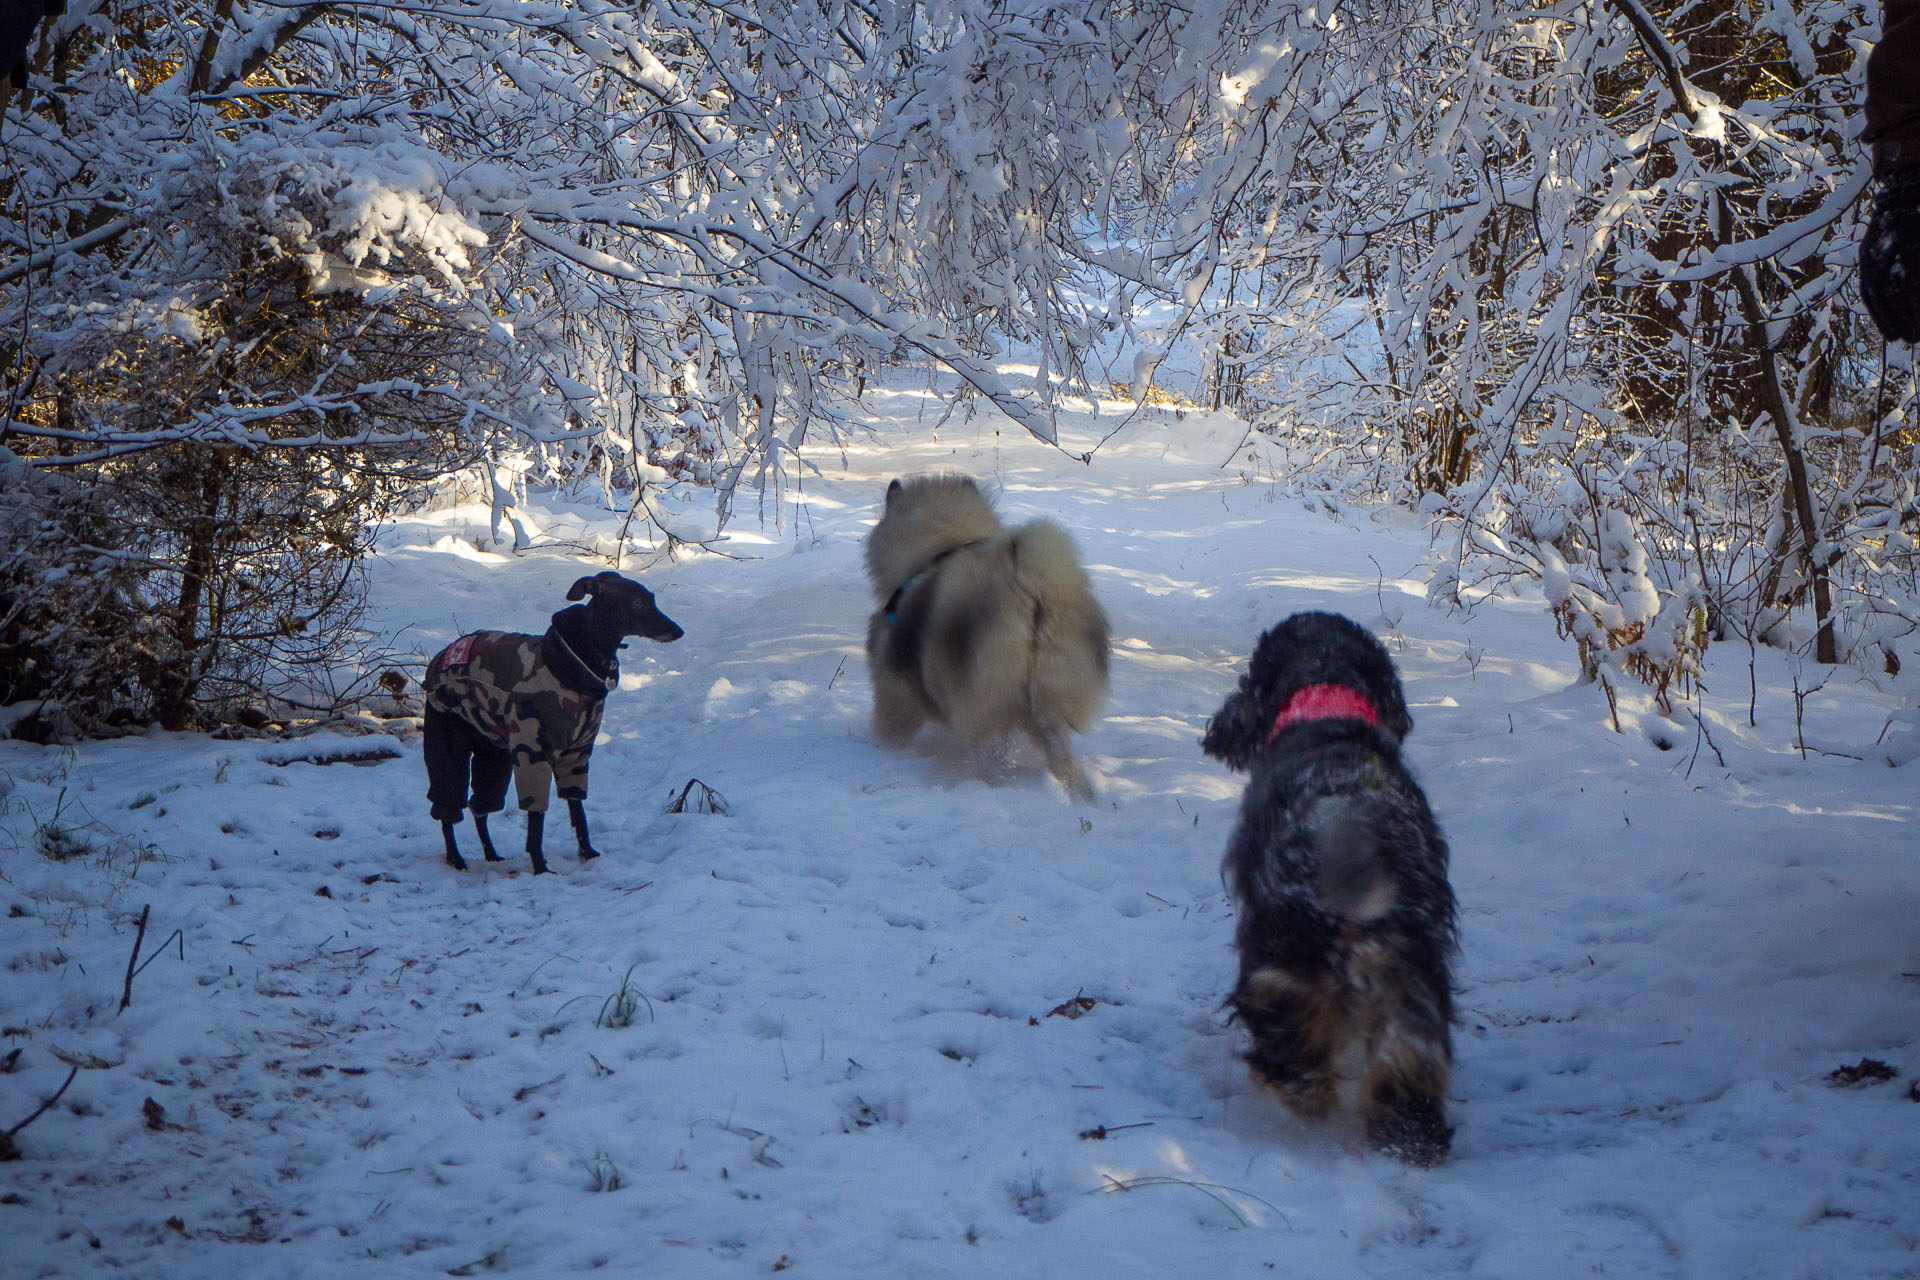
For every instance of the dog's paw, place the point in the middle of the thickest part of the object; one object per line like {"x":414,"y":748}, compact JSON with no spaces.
{"x":1412,"y":1128}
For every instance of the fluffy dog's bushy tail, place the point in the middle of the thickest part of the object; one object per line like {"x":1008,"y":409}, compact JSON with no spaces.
{"x":1070,"y":635}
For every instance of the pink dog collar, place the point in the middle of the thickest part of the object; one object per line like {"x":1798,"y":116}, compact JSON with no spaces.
{"x":1321,"y":702}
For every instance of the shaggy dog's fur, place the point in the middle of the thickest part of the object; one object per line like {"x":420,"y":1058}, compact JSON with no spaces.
{"x":984,"y":629}
{"x":1346,"y":928}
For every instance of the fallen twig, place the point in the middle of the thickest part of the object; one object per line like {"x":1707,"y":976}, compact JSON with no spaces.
{"x":126,"y":995}
{"x":1099,"y":1132}
{"x":10,"y":1152}
{"x":525,"y":1091}
{"x":161,"y":950}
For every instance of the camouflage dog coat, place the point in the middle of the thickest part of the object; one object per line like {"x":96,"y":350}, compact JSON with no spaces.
{"x":528,"y":696}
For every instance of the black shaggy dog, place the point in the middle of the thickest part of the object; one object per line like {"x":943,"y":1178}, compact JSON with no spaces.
{"x":500,"y":703}
{"x":1346,"y":926}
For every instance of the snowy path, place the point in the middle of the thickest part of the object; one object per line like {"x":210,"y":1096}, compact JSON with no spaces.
{"x":847,"y":1060}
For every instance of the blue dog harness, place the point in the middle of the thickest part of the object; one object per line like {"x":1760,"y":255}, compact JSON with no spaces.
{"x":900,"y":592}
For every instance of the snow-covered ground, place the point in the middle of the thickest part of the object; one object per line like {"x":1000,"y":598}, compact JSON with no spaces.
{"x":850,"y":1048}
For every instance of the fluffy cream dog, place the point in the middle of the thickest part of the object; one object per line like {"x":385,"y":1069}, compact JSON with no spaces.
{"x":985,"y":629}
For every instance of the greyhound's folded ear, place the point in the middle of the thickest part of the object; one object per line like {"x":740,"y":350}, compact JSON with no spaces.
{"x":601,"y":581}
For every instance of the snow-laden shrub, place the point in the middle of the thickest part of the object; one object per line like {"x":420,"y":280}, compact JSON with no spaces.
{"x":79,"y":651}
{"x":1620,"y":621}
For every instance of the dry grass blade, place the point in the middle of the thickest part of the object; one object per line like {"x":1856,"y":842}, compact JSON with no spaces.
{"x":698,"y":797}
{"x":1212,"y":1190}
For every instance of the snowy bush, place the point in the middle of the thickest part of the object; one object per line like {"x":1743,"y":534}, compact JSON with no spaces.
{"x":77,"y":649}
{"x":1577,"y":282}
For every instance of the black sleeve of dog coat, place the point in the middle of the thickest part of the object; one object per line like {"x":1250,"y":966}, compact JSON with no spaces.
{"x":1890,"y":253}
{"x":1893,"y":87}
{"x":17,"y":24}
{"x":1890,"y":256}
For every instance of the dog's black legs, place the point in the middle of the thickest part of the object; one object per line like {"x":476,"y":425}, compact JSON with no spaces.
{"x":454,"y":859}
{"x":1410,"y":1057}
{"x":577,"y":813}
{"x":1297,"y":1026}
{"x":486,"y":840}
{"x":535,"y":821}
{"x":1409,"y":1125}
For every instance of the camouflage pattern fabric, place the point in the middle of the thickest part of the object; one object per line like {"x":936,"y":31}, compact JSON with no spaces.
{"x":497,"y":682}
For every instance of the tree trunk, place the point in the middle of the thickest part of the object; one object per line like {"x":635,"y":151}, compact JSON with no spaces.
{"x":1753,"y":314}
{"x":197,"y":569}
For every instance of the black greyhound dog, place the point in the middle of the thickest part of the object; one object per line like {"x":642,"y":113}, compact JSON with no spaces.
{"x":501,"y":703}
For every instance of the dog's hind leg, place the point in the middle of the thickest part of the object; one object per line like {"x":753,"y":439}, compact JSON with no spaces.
{"x":535,"y":821}
{"x":1298,"y":1026}
{"x":1409,"y":1062}
{"x":1406,"y":1119}
{"x":577,"y":814}
{"x":897,"y":713}
{"x":1061,"y":763}
{"x":453,"y":752}
{"x":486,"y":840}
{"x":454,"y":859}
{"x":492,"y":768}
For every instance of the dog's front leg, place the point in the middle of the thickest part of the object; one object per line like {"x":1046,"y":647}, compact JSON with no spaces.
{"x":535,"y":821}
{"x":577,"y":813}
